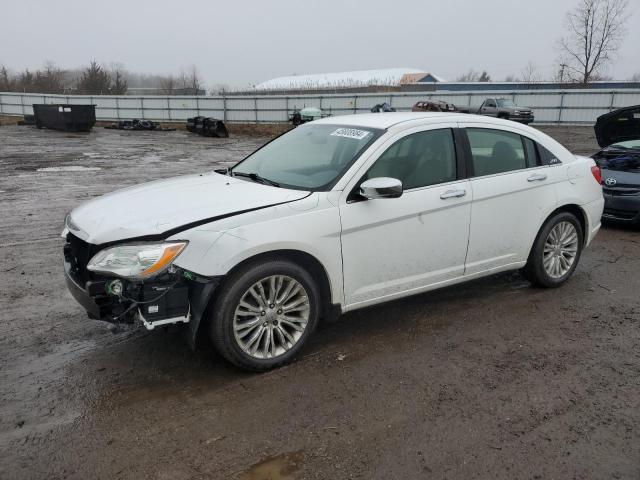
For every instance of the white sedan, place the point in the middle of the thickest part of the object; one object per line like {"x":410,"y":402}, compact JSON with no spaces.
{"x":335,"y":215}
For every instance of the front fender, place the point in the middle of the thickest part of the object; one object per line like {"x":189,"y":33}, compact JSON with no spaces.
{"x":216,"y":249}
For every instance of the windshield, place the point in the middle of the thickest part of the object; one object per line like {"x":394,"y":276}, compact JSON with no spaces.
{"x":309,"y":157}
{"x":503,"y":102}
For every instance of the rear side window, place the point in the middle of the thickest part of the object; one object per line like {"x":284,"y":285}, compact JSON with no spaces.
{"x":495,"y":151}
{"x":418,"y":160}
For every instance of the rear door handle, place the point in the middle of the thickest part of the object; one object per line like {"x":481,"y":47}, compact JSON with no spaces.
{"x":537,"y":177}
{"x":453,"y":194}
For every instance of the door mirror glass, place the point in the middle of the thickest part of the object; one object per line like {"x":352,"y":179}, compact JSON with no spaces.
{"x":381,"y":187}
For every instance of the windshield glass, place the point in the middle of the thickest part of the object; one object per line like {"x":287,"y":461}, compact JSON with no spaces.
{"x":632,"y":144}
{"x":503,"y":102}
{"x":309,"y":157}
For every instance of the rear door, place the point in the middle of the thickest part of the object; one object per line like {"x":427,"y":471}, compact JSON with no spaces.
{"x":513,"y":193}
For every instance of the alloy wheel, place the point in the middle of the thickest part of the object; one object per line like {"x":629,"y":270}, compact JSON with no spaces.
{"x":271,"y":317}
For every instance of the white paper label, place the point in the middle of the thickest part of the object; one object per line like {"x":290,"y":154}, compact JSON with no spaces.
{"x":350,"y":133}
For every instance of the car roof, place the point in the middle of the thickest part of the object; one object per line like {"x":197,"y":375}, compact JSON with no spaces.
{"x":387,"y":119}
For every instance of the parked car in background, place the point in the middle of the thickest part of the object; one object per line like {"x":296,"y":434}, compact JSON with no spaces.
{"x":434,"y":106}
{"x":618,"y":133}
{"x":307,"y":114}
{"x":335,"y":215}
{"x":503,"y":108}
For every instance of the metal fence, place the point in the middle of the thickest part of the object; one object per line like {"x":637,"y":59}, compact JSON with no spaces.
{"x":549,"y":106}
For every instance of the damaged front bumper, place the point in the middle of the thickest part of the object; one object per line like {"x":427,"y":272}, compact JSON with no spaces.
{"x":176,"y":296}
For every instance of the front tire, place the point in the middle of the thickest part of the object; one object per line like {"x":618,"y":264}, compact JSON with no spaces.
{"x":264,"y":314}
{"x":556,"y":251}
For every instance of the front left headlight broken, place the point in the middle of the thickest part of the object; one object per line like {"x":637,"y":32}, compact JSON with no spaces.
{"x":138,"y":261}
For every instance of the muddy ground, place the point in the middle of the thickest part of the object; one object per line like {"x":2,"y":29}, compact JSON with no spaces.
{"x":492,"y":379}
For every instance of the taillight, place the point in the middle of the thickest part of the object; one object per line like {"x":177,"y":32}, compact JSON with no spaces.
{"x":597,"y":174}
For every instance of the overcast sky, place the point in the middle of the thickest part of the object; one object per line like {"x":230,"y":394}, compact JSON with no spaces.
{"x":242,"y":42}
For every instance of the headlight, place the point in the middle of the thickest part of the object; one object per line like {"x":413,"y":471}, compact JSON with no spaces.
{"x":136,"y":261}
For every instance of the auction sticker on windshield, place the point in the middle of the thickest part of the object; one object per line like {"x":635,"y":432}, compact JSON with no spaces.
{"x":350,"y":133}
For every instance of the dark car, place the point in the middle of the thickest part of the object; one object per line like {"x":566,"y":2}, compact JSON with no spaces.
{"x":434,"y":106}
{"x":618,"y":133}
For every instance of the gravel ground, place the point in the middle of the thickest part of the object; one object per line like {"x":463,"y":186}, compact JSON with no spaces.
{"x":492,"y":379}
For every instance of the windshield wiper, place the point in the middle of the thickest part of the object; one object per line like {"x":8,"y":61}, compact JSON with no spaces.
{"x":256,"y":178}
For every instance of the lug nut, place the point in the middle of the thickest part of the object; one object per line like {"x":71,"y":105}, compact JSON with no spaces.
{"x":280,"y":312}
{"x":263,"y":313}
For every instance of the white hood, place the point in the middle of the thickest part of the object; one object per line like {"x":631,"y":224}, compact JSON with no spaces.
{"x":156,"y":207}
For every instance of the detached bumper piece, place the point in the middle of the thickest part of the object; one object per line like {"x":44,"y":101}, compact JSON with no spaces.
{"x":207,"y":127}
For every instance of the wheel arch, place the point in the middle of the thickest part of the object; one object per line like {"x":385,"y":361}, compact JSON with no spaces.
{"x":580,"y":214}
{"x":329,"y":309}
{"x":573,"y":208}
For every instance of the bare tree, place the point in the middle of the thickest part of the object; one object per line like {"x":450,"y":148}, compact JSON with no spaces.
{"x":168,"y":85}
{"x":6,"y":80}
{"x":473,"y":76}
{"x":530,"y":73}
{"x":595,"y":32}
{"x":634,"y":78}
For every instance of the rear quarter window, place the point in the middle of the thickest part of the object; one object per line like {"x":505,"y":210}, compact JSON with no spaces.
{"x":546,"y":157}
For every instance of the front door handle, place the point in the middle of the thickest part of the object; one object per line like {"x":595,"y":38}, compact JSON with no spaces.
{"x":537,"y":177}
{"x":453,"y":194}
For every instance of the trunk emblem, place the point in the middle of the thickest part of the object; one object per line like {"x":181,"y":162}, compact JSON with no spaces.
{"x":610,"y":181}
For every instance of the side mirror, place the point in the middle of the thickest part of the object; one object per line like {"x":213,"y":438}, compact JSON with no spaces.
{"x":381,"y":187}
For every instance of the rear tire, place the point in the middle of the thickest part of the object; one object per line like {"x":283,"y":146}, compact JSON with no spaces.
{"x":264,"y":314}
{"x":556,"y":251}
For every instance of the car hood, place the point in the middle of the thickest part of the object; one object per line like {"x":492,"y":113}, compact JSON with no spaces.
{"x":164,"y":207}
{"x":618,"y":126}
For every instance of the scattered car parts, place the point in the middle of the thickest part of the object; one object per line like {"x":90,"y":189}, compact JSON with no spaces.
{"x":382,"y":107}
{"x":137,"y":124}
{"x":207,"y":126}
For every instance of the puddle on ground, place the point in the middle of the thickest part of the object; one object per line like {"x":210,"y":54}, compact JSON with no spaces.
{"x":69,"y":168}
{"x":280,"y":467}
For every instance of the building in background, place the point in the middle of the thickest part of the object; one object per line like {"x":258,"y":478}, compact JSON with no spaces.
{"x":387,"y":79}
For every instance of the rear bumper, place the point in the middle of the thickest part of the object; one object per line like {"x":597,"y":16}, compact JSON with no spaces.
{"x":622,"y":208}
{"x":593,"y":212}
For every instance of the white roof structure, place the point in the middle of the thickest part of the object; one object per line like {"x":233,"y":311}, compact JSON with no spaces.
{"x":361,"y":78}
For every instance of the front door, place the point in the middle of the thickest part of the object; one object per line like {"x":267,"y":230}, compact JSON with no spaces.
{"x":396,"y":246}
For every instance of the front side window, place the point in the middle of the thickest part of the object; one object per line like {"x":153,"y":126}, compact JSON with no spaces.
{"x":504,"y":103}
{"x":309,"y":157}
{"x":495,"y":151}
{"x":490,"y":104}
{"x":418,"y":160}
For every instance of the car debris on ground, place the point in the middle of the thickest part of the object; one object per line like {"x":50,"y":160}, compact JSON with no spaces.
{"x":207,"y":126}
{"x":137,"y":124}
